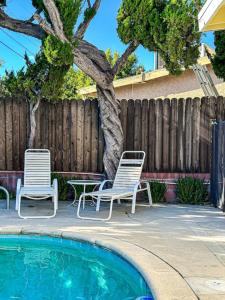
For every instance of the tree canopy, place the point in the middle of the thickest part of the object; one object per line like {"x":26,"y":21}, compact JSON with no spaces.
{"x":130,"y":68}
{"x":218,"y":60}
{"x":171,"y":27}
{"x":35,"y":81}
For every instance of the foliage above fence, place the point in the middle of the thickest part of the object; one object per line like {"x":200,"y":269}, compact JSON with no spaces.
{"x":175,"y":134}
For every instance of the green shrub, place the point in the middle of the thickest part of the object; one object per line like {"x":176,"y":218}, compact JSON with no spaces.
{"x":158,"y":190}
{"x":191,"y":190}
{"x":12,"y":195}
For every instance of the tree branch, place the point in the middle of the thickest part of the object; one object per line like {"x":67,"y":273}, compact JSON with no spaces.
{"x":123,"y":58}
{"x":84,"y":25}
{"x":42,"y":22}
{"x":55,"y":19}
{"x":25,"y":27}
{"x":32,"y":18}
{"x":89,"y":3}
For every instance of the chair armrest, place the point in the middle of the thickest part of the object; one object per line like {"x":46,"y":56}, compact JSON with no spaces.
{"x":18,"y":185}
{"x":138,"y":187}
{"x":145,"y":181}
{"x":55,"y":184}
{"x":103,"y":184}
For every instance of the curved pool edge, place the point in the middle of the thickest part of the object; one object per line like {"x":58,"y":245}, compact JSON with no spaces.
{"x":164,"y":282}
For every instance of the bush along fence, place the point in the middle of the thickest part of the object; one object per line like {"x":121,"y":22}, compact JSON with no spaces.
{"x":174,"y":133}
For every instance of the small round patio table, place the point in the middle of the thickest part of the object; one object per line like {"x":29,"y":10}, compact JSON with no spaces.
{"x":84,"y":183}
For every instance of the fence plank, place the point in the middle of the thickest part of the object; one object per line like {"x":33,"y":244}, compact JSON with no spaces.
{"x":151,"y":136}
{"x":59,"y":137}
{"x":144,"y":130}
{"x":137,"y":125}
{"x":2,"y":135}
{"x":180,"y":134}
{"x":9,"y":148}
{"x":203,"y":135}
{"x":195,"y":134}
{"x":73,"y":135}
{"x":130,"y":125}
{"x":23,"y":132}
{"x":100,"y":146}
{"x":52,"y":134}
{"x":123,"y":118}
{"x":80,"y":135}
{"x":220,"y":108}
{"x":159,"y":134}
{"x":66,"y":136}
{"x":87,"y":135}
{"x":173,"y":135}
{"x":211,"y":117}
{"x":165,"y":132}
{"x":37,"y":140}
{"x":94,"y":136}
{"x":188,"y":134}
{"x":16,"y":134}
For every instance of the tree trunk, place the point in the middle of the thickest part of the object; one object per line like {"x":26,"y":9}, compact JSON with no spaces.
{"x":33,"y":125}
{"x":112,"y":129}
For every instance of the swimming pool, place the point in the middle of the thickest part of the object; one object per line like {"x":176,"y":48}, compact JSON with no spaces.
{"x":46,"y":268}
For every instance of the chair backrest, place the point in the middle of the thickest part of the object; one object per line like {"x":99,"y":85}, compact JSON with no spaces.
{"x":129,"y":170}
{"x":37,"y":168}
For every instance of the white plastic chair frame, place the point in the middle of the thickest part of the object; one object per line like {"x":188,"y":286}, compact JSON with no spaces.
{"x":7,"y":196}
{"x":126,"y":185}
{"x":37,"y":181}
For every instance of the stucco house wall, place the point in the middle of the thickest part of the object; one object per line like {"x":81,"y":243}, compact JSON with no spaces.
{"x":160,"y":84}
{"x":185,"y":85}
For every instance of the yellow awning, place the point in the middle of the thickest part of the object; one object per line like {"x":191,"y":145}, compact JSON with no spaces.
{"x":212,"y":16}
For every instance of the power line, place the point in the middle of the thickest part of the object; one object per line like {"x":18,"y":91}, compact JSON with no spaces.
{"x":11,"y":37}
{"x":17,"y":53}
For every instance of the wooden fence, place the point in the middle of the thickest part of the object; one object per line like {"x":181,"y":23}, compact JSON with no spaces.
{"x":175,"y":134}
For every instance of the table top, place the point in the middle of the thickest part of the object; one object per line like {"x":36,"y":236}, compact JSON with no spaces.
{"x":84,"y":182}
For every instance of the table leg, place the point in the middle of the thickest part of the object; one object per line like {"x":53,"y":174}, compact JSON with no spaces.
{"x":84,"y":196}
{"x":75,"y":197}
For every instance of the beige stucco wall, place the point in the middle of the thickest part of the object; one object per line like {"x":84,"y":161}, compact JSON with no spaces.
{"x":185,"y":85}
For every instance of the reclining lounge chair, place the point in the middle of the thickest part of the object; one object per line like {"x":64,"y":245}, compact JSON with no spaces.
{"x":126,"y":185}
{"x":37,"y":181}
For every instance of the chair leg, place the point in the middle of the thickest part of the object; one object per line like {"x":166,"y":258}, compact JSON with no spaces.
{"x":133,"y":202}
{"x":110,"y":210}
{"x":95,"y":219}
{"x":149,"y":193}
{"x":17,"y":201}
{"x":78,"y":207}
{"x":98,"y":204}
{"x":55,"y":201}
{"x":19,"y":205}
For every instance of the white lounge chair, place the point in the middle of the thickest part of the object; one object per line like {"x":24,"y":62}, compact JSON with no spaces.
{"x":126,"y":185}
{"x":37,"y":181}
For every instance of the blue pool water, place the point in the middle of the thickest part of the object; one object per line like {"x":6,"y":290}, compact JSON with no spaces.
{"x":46,"y":268}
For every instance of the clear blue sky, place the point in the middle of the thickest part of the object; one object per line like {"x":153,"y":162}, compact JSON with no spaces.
{"x":102,"y":32}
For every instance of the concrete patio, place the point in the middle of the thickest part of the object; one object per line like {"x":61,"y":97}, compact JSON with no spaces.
{"x":179,"y":249}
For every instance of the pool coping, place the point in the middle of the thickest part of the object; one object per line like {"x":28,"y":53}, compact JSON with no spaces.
{"x":164,"y":281}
